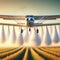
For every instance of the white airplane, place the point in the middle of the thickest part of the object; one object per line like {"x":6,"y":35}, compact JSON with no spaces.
{"x":30,"y":20}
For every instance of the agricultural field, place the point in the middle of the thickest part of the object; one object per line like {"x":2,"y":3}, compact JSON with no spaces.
{"x":30,"y":53}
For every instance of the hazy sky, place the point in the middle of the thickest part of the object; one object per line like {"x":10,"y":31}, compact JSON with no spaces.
{"x":24,"y":7}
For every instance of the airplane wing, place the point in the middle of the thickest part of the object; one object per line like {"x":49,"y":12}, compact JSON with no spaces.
{"x":40,"y":20}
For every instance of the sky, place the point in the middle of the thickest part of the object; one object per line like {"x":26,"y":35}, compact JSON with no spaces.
{"x":30,"y":7}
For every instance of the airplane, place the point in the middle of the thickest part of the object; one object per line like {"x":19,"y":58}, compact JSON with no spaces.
{"x":30,"y":20}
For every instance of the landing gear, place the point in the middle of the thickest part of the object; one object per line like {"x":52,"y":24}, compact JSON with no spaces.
{"x":29,"y":29}
{"x":37,"y":31}
{"x":21,"y":30}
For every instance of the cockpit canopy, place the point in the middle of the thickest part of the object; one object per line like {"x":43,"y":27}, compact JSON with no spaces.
{"x":30,"y":20}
